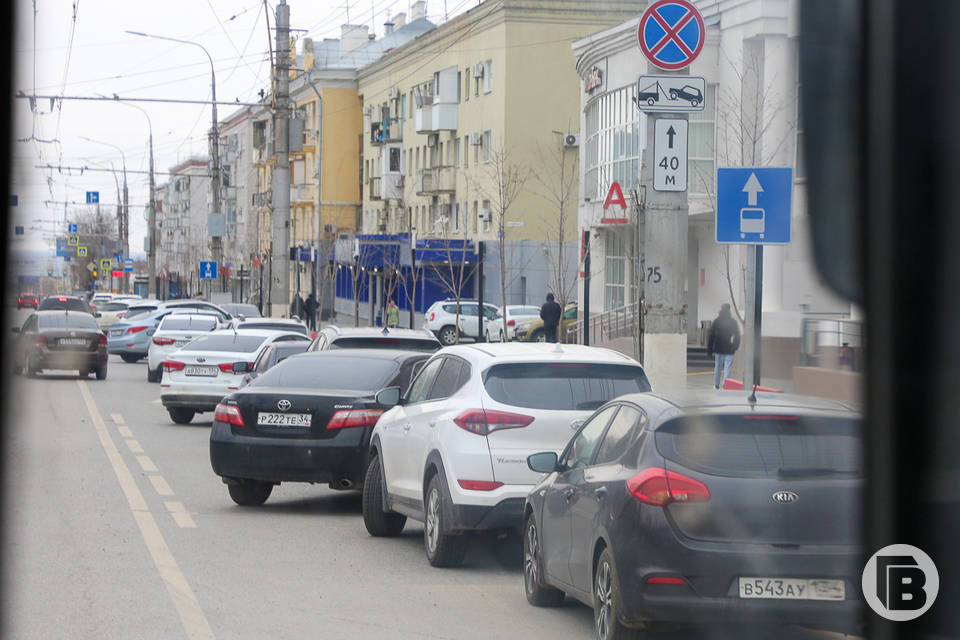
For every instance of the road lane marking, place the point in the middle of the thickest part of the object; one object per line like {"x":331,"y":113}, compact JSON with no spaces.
{"x":125,"y":432}
{"x":161,"y":485}
{"x":184,"y":600}
{"x":117,"y":418}
{"x":180,"y":515}
{"x":146,"y":463}
{"x":134,"y":446}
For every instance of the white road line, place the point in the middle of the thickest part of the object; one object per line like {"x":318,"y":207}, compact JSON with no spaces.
{"x":125,"y":431}
{"x":184,"y":600}
{"x":180,"y":515}
{"x":134,"y":446}
{"x":146,"y":463}
{"x":161,"y":485}
{"x":117,"y":418}
{"x":157,"y":401}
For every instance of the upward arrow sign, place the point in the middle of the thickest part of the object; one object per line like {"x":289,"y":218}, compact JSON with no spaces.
{"x":752,"y":188}
{"x":670,"y":134}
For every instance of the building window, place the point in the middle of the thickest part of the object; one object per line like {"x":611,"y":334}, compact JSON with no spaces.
{"x":613,"y":143}
{"x":488,"y":76}
{"x":487,"y":144}
{"x":615,"y":271}
{"x":394,"y":160}
{"x":476,"y":154}
{"x":701,"y":165}
{"x":466,"y":152}
{"x":466,"y":85}
{"x":403,"y":107}
{"x":456,"y":152}
{"x":474,"y":225}
{"x":456,"y":216}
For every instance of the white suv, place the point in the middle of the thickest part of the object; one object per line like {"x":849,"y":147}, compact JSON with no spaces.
{"x":453,"y":451}
{"x":441,"y":319}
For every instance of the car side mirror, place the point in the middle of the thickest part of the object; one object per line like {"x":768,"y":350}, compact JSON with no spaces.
{"x":544,"y":462}
{"x":389,"y":397}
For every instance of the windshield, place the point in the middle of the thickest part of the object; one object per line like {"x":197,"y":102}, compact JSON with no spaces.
{"x":330,"y":372}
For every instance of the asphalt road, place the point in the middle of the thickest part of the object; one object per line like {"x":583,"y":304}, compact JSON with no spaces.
{"x":116,"y":527}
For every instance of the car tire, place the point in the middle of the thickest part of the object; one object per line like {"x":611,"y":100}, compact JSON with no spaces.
{"x":673,"y":95}
{"x":694,"y":102}
{"x":154,"y":375}
{"x":606,"y":603}
{"x":181,"y":415}
{"x":250,"y":493}
{"x":447,"y":335}
{"x":131,"y":358}
{"x":28,"y":369}
{"x":379,"y":523}
{"x":537,"y":592}
{"x":443,"y":549}
{"x":101,"y":371}
{"x":539,"y":336}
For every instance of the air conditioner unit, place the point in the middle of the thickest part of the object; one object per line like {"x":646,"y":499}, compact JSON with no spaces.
{"x":571,"y":140}
{"x":478,"y":70}
{"x":483,"y":215}
{"x":475,"y":139}
{"x":433,"y":139}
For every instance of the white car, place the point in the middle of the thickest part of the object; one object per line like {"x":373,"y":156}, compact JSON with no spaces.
{"x":111,"y":311}
{"x":441,"y":319}
{"x":453,"y":451}
{"x":274,"y":324}
{"x":197,"y":377}
{"x":517,"y":314}
{"x":172,"y":334}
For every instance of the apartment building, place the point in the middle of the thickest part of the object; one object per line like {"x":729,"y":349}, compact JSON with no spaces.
{"x":238,"y":183}
{"x":182,"y":228}
{"x":487,"y":100}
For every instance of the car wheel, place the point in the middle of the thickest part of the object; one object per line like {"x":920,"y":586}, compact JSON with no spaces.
{"x":130,"y":357}
{"x":694,"y":102}
{"x":673,"y":95}
{"x":29,"y":367}
{"x":606,"y":603}
{"x":379,"y":523}
{"x":250,"y":493}
{"x":538,"y":593}
{"x":447,"y":335}
{"x":651,"y":101}
{"x":154,"y":375}
{"x":101,"y":371}
{"x":443,"y":549}
{"x":540,"y":336}
{"x":181,"y":415}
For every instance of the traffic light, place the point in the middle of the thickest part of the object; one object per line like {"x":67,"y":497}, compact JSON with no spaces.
{"x":94,"y":273}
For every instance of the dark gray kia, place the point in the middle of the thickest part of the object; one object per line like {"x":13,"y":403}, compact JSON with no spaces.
{"x":702,"y":507}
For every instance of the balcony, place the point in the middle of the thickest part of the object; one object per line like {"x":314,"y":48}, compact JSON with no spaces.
{"x":436,"y":180}
{"x":390,"y":130}
{"x":436,"y":116}
{"x":263,"y":198}
{"x":300,"y":194}
{"x":374,"y":186}
{"x":392,"y":186}
{"x":424,"y":116}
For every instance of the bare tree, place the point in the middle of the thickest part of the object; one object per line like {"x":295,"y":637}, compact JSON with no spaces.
{"x":506,"y":179}
{"x":557,"y":182}
{"x":454,"y":273}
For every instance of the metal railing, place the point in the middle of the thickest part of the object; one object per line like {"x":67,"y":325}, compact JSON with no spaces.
{"x":823,"y":339}
{"x":615,"y":323}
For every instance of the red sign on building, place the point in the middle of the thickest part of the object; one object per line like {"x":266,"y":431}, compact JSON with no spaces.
{"x":615,"y":197}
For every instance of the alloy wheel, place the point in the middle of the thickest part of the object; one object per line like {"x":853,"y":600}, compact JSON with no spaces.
{"x":530,"y":559}
{"x":433,"y":520}
{"x":604,"y":601}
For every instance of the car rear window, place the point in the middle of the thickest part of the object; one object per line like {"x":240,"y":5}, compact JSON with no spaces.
{"x":112,"y":306}
{"x":372,"y":342}
{"x":267,"y":326}
{"x":227,"y":342}
{"x":330,"y":372}
{"x":135,"y":312}
{"x":70,"y":304}
{"x":185,"y":323}
{"x":757,"y":446}
{"x":562,"y":386}
{"x":68,"y":321}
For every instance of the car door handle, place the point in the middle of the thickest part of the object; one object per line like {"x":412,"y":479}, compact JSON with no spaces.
{"x":568,"y":494}
{"x":601,"y":494}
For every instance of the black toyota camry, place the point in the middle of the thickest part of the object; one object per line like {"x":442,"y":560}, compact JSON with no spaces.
{"x":307,"y":419}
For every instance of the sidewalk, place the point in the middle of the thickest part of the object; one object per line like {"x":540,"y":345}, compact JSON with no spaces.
{"x":703,"y":379}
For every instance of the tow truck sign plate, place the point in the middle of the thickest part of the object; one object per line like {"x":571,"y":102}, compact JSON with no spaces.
{"x":673,"y":94}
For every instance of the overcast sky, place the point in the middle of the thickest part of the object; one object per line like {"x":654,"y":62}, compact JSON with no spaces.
{"x":103,"y":59}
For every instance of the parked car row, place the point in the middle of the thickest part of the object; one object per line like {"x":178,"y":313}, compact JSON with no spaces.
{"x":499,"y":324}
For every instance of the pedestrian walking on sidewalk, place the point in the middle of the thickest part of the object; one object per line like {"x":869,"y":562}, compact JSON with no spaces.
{"x":723,"y":343}
{"x":296,"y":306}
{"x":393,"y":315}
{"x":310,"y":308}
{"x":550,"y":313}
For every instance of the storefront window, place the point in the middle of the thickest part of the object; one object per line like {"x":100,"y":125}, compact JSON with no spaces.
{"x":612,"y":143}
{"x":614,"y":293}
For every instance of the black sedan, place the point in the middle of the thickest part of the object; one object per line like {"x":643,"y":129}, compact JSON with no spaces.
{"x":60,"y":340}
{"x":306,"y":419}
{"x":702,"y":507}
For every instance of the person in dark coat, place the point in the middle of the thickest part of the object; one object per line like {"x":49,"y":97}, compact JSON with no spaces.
{"x":723,"y":343}
{"x":550,"y":313}
{"x":310,"y":308}
{"x":296,"y":306}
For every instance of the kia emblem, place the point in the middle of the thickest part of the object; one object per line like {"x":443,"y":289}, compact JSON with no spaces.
{"x":283,"y":405}
{"x":201,"y":359}
{"x":785,"y":497}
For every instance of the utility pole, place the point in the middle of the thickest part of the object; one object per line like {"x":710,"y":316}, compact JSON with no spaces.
{"x":280,"y":218}
{"x":216,"y":240}
{"x":125,"y":236}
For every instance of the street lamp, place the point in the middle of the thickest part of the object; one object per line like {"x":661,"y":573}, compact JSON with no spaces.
{"x":216,"y":246}
{"x":125,"y":213}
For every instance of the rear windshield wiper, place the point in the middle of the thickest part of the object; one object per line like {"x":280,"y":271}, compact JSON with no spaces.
{"x":809,"y":472}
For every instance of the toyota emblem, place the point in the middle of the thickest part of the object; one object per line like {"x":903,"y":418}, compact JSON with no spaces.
{"x":283,"y":405}
{"x":785,"y":497}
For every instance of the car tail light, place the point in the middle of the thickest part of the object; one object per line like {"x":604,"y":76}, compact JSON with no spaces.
{"x":41,"y":340}
{"x":172,"y":365}
{"x":665,"y":580}
{"x":511,"y":323}
{"x":162,"y":341}
{"x":102,"y":341}
{"x":479,"y":485}
{"x":354,"y":418}
{"x":61,"y":299}
{"x":658,"y":487}
{"x":227,"y":367}
{"x":136,"y":329}
{"x":432,"y":316}
{"x":229,"y":414}
{"x":483,"y":422}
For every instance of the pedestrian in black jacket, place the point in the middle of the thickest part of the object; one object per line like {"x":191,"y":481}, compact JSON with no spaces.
{"x":723,"y":343}
{"x":550,"y":313}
